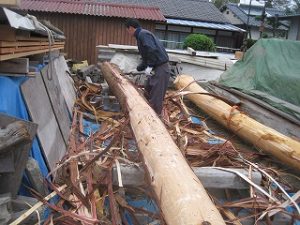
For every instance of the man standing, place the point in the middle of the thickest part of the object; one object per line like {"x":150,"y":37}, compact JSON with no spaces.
{"x":154,"y":57}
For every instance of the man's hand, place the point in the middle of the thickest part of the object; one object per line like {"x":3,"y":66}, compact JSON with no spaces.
{"x":148,"y":71}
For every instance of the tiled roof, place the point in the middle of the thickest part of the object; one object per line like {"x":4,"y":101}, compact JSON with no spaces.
{"x":94,"y":8}
{"x":240,"y":12}
{"x":198,"y":10}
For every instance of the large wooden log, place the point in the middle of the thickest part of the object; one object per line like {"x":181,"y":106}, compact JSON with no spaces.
{"x":180,"y":194}
{"x":285,"y":149}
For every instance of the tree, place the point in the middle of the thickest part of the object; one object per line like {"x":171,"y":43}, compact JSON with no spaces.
{"x":289,"y":6}
{"x":220,"y":3}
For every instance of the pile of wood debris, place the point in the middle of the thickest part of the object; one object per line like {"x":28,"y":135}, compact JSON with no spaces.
{"x":90,"y":184}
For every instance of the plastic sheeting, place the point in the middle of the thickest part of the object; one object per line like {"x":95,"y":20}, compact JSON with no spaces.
{"x":12,"y":103}
{"x":270,"y":71}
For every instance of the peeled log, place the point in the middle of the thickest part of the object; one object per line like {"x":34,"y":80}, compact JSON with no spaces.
{"x":181,"y":196}
{"x":265,"y":138}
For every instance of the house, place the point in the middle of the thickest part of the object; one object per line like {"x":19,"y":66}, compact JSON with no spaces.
{"x":294,"y":30}
{"x":189,"y":16}
{"x":247,"y":16}
{"x":88,"y":24}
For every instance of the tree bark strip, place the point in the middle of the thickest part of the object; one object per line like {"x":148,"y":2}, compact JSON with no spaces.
{"x":285,"y":149}
{"x":180,"y":194}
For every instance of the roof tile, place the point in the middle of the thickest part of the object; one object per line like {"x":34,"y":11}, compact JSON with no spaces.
{"x":198,"y":10}
{"x":94,"y":8}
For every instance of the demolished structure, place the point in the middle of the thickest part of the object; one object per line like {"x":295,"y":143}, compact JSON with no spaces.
{"x":102,"y":155}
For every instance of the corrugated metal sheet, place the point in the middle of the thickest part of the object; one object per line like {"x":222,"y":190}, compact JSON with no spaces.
{"x":217,"y":26}
{"x":94,"y":9}
{"x":83,"y":33}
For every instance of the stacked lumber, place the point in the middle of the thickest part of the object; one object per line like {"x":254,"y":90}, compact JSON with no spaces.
{"x":9,"y":2}
{"x":189,"y":56}
{"x":203,"y":61}
{"x":15,"y":43}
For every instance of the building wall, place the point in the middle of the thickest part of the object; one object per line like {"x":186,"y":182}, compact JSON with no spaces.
{"x":294,"y":31}
{"x":83,"y":33}
{"x":232,"y":17}
{"x":173,"y":36}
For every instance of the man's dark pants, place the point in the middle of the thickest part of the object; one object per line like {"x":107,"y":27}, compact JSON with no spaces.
{"x":157,"y":86}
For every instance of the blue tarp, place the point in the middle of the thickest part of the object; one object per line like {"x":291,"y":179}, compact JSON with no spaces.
{"x":12,"y":104}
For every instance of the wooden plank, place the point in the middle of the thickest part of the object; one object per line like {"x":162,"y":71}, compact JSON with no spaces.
{"x":9,"y":2}
{"x":25,"y":49}
{"x":7,"y":33}
{"x":50,"y":75}
{"x":20,"y":65}
{"x":14,"y":134}
{"x":22,"y":54}
{"x":27,"y":43}
{"x":41,"y":112}
{"x":7,"y":163}
{"x":10,"y":182}
{"x":210,"y":178}
{"x":30,"y":74}
{"x":31,"y":38}
{"x":66,"y":82}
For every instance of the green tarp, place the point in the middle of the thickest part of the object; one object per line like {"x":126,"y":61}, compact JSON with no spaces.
{"x":270,"y":71}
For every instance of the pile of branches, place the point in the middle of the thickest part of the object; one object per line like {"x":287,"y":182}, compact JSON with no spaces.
{"x":202,"y":148}
{"x":84,"y":180}
{"x":84,"y":177}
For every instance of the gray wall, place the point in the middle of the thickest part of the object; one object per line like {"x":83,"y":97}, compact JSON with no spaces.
{"x":294,"y":31}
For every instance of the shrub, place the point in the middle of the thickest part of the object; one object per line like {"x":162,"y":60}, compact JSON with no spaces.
{"x":250,"y":42}
{"x":199,"y":42}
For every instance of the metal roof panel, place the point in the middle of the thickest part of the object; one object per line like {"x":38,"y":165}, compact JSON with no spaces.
{"x":94,"y":8}
{"x":219,"y":26}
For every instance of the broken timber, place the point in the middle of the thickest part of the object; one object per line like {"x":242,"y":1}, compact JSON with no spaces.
{"x":182,"y":198}
{"x":133,"y":176}
{"x":269,"y":140}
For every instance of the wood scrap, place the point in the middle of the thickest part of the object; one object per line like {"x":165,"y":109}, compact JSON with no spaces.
{"x":24,"y":43}
{"x":27,"y":53}
{"x":36,"y":206}
{"x":22,"y":49}
{"x":282,"y":147}
{"x":14,"y":134}
{"x":15,"y":66}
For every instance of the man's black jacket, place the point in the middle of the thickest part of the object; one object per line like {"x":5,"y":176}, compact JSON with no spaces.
{"x":151,"y":49}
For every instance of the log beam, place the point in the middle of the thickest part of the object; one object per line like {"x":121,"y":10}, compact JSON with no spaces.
{"x":285,"y":149}
{"x":181,"y":196}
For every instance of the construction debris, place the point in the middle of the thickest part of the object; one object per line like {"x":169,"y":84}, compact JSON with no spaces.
{"x":132,"y":167}
{"x":96,"y":184}
{"x":282,"y":147}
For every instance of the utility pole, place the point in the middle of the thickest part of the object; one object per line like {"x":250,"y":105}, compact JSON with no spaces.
{"x":248,"y":28}
{"x":262,"y":24}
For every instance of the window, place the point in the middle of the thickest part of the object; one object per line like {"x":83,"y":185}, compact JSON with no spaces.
{"x":225,"y":33}
{"x":160,"y":27}
{"x":204,"y":31}
{"x":179,"y":28}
